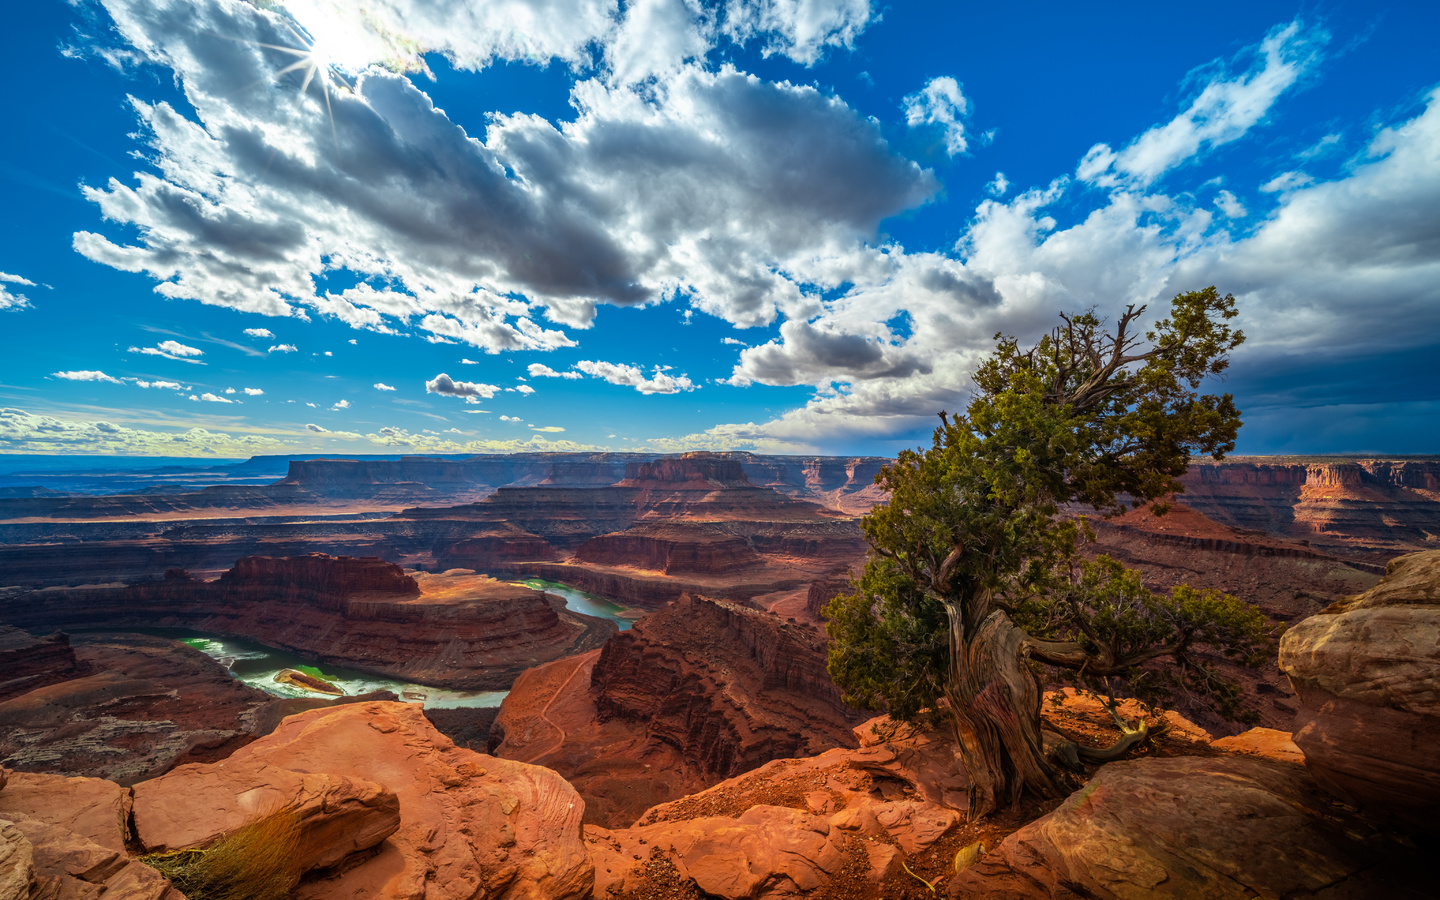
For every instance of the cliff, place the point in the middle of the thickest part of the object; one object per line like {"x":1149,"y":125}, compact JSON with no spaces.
{"x":728,"y":687}
{"x":28,"y":661}
{"x":1365,"y":509}
{"x":462,"y":631}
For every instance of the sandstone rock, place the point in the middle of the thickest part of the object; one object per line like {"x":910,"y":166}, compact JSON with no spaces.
{"x":1367,"y":671}
{"x":17,"y":863}
{"x":1188,"y":827}
{"x":1267,"y":742}
{"x":469,"y":824}
{"x":93,"y":808}
{"x":767,"y":852}
{"x":196,"y":804}
{"x":729,"y":687}
{"x":69,"y":866}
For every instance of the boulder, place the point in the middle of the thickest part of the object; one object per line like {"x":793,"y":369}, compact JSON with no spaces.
{"x":1189,"y":827}
{"x":1267,"y":742}
{"x":195,"y":804}
{"x":470,"y":825}
{"x":96,"y":809}
{"x":1367,"y":673}
{"x":69,"y":866}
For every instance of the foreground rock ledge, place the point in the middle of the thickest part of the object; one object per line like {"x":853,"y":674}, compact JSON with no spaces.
{"x":1367,"y":672}
{"x":1192,"y":827}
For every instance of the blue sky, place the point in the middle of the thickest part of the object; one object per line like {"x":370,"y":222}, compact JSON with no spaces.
{"x":778,"y":225}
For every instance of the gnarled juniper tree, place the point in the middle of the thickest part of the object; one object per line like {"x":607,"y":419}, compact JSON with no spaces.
{"x":973,"y":576}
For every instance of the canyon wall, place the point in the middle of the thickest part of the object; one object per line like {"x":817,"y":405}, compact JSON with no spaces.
{"x":466,"y":633}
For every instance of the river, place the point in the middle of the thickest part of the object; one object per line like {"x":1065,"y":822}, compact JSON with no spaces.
{"x":256,"y":664}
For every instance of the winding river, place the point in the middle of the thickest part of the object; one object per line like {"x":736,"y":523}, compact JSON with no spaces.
{"x":256,"y":664}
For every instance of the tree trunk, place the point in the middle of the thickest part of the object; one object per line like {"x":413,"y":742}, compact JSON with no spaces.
{"x":995,"y":709}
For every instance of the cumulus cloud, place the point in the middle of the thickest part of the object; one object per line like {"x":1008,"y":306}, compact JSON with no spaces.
{"x":1286,"y":181}
{"x":341,"y":404}
{"x":260,"y":333}
{"x":470,"y":391}
{"x":716,"y":184}
{"x":254,"y":392}
{"x":510,"y":419}
{"x":469,"y":362}
{"x":1230,"y":205}
{"x":548,"y":428}
{"x":540,"y":370}
{"x":169,"y":385}
{"x":172,"y":350}
{"x":283,"y":348}
{"x":317,"y":429}
{"x":733,"y":341}
{"x":522,"y":389}
{"x":1223,"y":111}
{"x":661,"y":382}
{"x":382,"y":386}
{"x":86,"y":375}
{"x":940,"y":103}
{"x":211,"y":398}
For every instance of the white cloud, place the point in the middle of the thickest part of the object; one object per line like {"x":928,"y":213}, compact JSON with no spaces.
{"x":471,"y":391}
{"x":1230,"y":205}
{"x":998,"y":185}
{"x":540,"y":370}
{"x":86,"y":375}
{"x":329,"y":353}
{"x":260,"y":333}
{"x":510,"y":419}
{"x":713,"y":183}
{"x":633,"y":376}
{"x":172,"y":350}
{"x":940,"y":103}
{"x":1286,"y":181}
{"x":254,"y":392}
{"x":317,"y":429}
{"x":24,"y":432}
{"x":469,"y":362}
{"x":283,"y":348}
{"x":1222,"y":112}
{"x":341,"y":404}
{"x":10,"y":300}
{"x":522,"y":389}
{"x":167,"y":385}
{"x":548,"y":428}
{"x":211,"y":398}
{"x":229,"y":390}
{"x":733,"y":341}
{"x":382,"y":386}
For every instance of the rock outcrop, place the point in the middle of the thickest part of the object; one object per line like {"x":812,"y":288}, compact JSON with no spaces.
{"x":1367,"y":671}
{"x":469,"y":824}
{"x":66,"y":838}
{"x":28,"y":661}
{"x":727,"y":686}
{"x":1212,"y":827}
{"x":459,"y":630}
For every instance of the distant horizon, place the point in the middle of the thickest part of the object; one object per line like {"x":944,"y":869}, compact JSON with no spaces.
{"x":784,"y":228}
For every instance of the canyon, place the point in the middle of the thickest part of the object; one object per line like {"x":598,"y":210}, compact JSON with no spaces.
{"x":711,"y":725}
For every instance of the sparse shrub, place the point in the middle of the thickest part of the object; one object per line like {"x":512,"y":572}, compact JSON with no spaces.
{"x":255,"y":862}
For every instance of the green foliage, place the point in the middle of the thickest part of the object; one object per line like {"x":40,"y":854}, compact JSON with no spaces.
{"x":255,"y":862}
{"x":974,"y":524}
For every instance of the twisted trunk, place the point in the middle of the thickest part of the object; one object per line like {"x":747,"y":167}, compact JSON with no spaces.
{"x":994,"y":702}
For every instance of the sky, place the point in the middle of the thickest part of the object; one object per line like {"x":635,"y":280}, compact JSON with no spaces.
{"x":784,"y":226}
